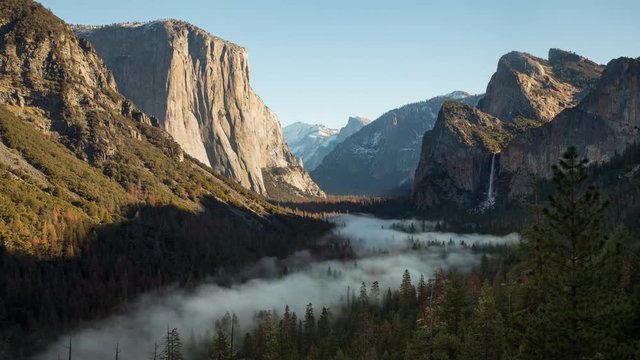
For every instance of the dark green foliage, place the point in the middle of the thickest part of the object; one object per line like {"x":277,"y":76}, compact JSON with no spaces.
{"x":221,"y":347}
{"x":485,"y":335}
{"x":568,"y":292}
{"x":576,"y":300}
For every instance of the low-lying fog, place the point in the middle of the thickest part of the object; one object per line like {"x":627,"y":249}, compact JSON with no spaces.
{"x":385,"y":248}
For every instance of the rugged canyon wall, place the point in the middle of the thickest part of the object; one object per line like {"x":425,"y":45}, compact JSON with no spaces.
{"x":606,"y":122}
{"x":539,"y":107}
{"x":456,"y":156}
{"x":197,"y":86}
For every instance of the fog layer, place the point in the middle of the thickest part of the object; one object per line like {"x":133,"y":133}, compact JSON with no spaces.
{"x":384,"y":249}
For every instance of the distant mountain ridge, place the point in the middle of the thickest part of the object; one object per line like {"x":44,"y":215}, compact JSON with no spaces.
{"x":311,"y":143}
{"x":381,"y":158}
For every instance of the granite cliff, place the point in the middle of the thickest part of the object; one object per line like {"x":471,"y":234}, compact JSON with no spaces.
{"x":537,"y":109}
{"x":606,"y":122}
{"x":527,"y":86}
{"x":197,"y":86}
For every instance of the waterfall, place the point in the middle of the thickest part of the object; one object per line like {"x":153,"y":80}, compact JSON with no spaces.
{"x":491,"y":196}
{"x":491,"y":199}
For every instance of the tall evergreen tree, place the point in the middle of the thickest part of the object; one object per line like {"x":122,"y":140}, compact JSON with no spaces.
{"x":287,"y":336}
{"x":363,"y":298}
{"x":407,"y":291}
{"x":221,"y":347}
{"x":375,"y":293}
{"x":309,"y":328}
{"x":172,"y":349}
{"x":575,"y":302}
{"x":423,"y":292}
{"x":485,"y":338}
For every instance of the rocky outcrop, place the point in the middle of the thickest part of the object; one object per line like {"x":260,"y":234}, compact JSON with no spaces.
{"x":606,"y":122}
{"x":43,"y":65}
{"x":382,"y":157}
{"x":311,"y":143}
{"x":197,"y":86}
{"x":535,"y":124}
{"x":534,"y":88}
{"x":456,"y":156}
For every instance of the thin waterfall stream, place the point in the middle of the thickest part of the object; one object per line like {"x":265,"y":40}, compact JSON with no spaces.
{"x":490,"y":200}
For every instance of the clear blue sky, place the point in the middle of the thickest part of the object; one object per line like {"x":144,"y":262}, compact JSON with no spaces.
{"x":321,"y":61}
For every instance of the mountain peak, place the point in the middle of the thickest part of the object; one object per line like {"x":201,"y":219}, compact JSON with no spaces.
{"x":358,"y":121}
{"x":456,"y":95}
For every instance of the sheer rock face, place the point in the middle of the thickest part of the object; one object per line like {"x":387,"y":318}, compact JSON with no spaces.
{"x":455,"y":164}
{"x":605,"y":122}
{"x":456,"y":156}
{"x":534,"y":88}
{"x":382,"y":157}
{"x":197,"y":86}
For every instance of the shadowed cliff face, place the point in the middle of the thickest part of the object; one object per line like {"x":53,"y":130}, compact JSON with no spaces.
{"x":456,"y":155}
{"x":606,"y":122}
{"x":197,"y":85}
{"x":536,"y":121}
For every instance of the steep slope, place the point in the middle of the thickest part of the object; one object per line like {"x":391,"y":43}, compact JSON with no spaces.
{"x":70,"y":139}
{"x":605,"y":123}
{"x":382,"y":157}
{"x":524,"y":93}
{"x":96,"y":205}
{"x":457,"y":154}
{"x":311,"y":143}
{"x":197,"y":86}
{"x":526,"y":86}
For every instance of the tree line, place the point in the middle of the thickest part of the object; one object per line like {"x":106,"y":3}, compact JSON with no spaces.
{"x":570,"y":290}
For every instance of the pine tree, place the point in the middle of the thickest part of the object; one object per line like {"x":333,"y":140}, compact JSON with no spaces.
{"x":407,"y":291}
{"x":172,"y":349}
{"x":287,"y":334}
{"x":575,"y":303}
{"x":422,"y":292}
{"x":363,"y":298}
{"x":485,"y":338}
{"x":270,"y":338}
{"x":221,"y":347}
{"x":324,"y":323}
{"x":309,"y":328}
{"x":375,"y":293}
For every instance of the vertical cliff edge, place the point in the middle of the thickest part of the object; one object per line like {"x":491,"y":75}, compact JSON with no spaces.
{"x":197,"y":86}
